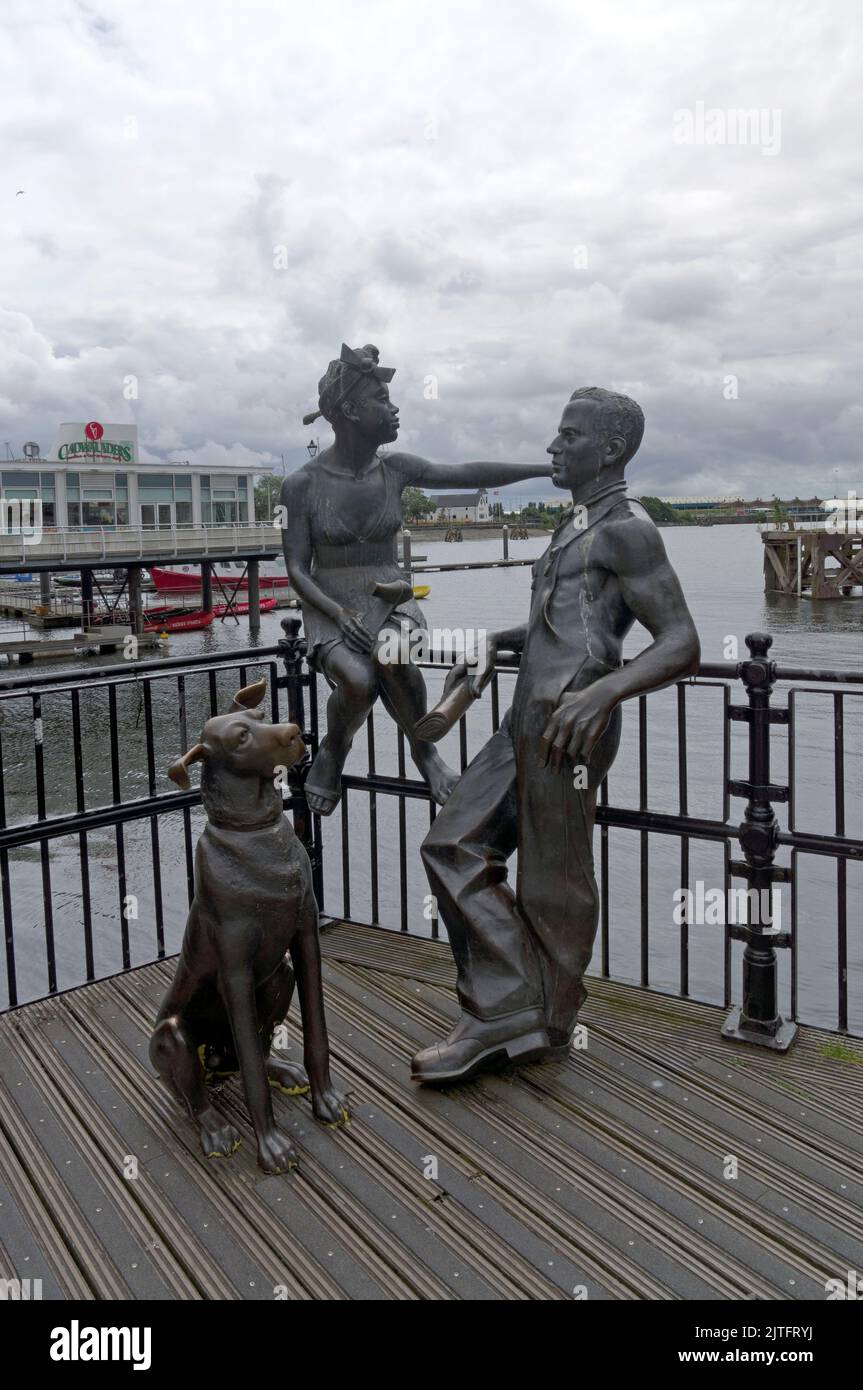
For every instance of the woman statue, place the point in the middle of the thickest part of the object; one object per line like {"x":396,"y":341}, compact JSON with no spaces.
{"x":342,"y":513}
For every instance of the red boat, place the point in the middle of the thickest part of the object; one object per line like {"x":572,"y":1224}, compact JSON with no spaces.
{"x":185,"y":579}
{"x":177,"y":619}
{"x":266,"y":606}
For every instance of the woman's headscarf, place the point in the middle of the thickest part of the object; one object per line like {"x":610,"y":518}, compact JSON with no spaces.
{"x":343,"y":375}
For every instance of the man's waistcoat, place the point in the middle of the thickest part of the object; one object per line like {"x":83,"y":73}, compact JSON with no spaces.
{"x":564,"y":648}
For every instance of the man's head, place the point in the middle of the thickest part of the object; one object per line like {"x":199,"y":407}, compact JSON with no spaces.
{"x":598,"y":434}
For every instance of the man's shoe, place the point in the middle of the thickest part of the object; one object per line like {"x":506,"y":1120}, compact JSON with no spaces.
{"x":476,"y":1045}
{"x":560,"y":1045}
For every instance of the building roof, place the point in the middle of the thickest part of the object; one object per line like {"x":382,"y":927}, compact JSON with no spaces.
{"x":458,"y":499}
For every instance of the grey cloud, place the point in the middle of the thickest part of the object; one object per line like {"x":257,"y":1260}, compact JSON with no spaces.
{"x":269,"y":125}
{"x":674,"y":294}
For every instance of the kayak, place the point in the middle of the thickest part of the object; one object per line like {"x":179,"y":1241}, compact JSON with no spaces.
{"x":422,"y":590}
{"x":266,"y":606}
{"x":177,"y":619}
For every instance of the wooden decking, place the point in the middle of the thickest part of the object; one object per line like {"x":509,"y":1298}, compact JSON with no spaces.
{"x":603,"y":1174}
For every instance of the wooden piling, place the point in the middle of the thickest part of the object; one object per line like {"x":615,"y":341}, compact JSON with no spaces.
{"x":254,"y":595}
{"x":206,"y":586}
{"x":816,"y":564}
{"x":136,"y":606}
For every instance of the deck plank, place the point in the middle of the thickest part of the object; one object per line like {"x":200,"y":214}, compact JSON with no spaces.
{"x":601,"y":1176}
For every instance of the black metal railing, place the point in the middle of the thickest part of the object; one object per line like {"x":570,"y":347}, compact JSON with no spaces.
{"x":749,"y":844}
{"x":70,"y":730}
{"x":101,"y":742}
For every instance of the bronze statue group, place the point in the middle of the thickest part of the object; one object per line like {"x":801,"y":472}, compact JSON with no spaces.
{"x":521,"y":951}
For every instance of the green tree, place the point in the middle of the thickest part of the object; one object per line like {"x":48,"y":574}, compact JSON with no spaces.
{"x":658,"y":510}
{"x":415,"y":504}
{"x":781,"y":519}
{"x":267,"y":497}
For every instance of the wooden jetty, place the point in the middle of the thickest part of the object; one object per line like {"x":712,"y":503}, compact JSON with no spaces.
{"x":30,"y":606}
{"x":602,"y":1177}
{"x":472,"y":565}
{"x":93,"y":641}
{"x":67,"y":609}
{"x":813,"y":563}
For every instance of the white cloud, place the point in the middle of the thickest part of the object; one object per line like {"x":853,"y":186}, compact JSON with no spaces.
{"x":430,"y":170}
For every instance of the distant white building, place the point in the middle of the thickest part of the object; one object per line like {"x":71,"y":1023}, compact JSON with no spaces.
{"x":461,"y":506}
{"x":92,"y":478}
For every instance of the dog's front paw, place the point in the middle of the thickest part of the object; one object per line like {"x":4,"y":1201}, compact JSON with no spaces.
{"x":330,"y":1106}
{"x":218,"y":1138}
{"x":287,"y":1076}
{"x":276,"y":1154}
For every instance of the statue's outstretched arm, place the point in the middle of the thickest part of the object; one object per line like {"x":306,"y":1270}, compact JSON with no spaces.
{"x":420,"y":472}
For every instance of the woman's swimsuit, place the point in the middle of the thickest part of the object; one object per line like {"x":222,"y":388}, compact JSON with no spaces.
{"x":345,"y":565}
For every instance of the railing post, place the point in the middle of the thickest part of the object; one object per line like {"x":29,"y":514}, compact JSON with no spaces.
{"x":505,"y":536}
{"x":294,"y":648}
{"x":757,"y":1019}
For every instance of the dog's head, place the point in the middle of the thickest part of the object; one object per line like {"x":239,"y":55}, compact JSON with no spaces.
{"x":242,"y":743}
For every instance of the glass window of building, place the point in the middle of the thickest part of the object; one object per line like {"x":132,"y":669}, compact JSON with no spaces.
{"x":24,"y":487}
{"x":225,"y":507}
{"x":165,"y":499}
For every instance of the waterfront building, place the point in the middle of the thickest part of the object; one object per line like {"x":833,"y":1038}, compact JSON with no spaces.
{"x":461,"y":506}
{"x":92,"y":477}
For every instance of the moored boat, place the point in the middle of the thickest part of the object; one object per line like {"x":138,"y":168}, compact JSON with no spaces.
{"x":177,"y":619}
{"x":221,"y":609}
{"x":185,"y":579}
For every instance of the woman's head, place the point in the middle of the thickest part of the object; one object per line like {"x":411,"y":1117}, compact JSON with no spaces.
{"x":353,"y":394}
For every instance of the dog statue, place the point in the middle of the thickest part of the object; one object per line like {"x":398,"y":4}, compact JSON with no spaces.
{"x":253,"y":909}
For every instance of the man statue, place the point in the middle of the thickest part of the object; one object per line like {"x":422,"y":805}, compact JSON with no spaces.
{"x":521,"y":957}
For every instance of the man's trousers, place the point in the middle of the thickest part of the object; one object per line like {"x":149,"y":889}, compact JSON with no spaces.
{"x":528,"y":949}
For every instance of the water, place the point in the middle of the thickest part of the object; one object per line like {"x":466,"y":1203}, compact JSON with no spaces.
{"x":720,"y":570}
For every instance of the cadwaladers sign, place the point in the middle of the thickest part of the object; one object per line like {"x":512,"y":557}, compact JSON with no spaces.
{"x":95,"y":443}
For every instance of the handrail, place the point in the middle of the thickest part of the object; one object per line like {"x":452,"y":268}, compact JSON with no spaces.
{"x":709,"y":670}
{"x":750,"y":843}
{"x":132,"y":670}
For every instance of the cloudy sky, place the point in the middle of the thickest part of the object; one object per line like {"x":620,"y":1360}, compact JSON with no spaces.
{"x":511,"y":200}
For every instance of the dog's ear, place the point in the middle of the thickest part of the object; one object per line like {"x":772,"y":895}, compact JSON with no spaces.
{"x":177,"y":771}
{"x":250,"y":696}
